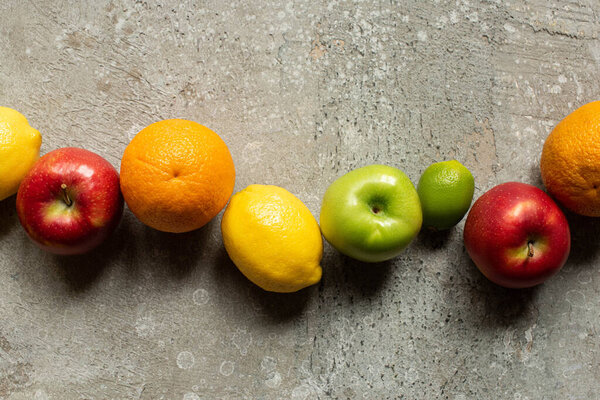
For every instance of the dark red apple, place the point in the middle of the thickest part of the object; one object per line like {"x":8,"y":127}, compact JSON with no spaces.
{"x":517,"y":236}
{"x":70,"y":201}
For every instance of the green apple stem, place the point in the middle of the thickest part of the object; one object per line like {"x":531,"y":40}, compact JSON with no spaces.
{"x":66,"y":197}
{"x":530,"y":249}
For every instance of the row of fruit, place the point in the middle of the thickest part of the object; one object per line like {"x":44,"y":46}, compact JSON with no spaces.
{"x":176,"y":175}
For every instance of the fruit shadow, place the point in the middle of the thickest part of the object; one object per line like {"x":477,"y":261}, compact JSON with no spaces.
{"x":585,"y":232}
{"x":275,"y":307}
{"x":362,"y":278}
{"x":175,"y":255}
{"x":8,"y":216}
{"x":81,"y":272}
{"x":432,"y":239}
{"x":494,"y":306}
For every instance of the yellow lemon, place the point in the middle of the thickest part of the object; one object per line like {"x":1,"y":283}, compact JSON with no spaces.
{"x":19,"y":150}
{"x":272,"y":237}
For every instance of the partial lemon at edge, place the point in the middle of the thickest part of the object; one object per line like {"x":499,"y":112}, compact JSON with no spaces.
{"x":19,"y":150}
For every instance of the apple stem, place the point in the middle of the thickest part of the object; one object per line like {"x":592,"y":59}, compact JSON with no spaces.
{"x":530,"y":249}
{"x":66,"y":197}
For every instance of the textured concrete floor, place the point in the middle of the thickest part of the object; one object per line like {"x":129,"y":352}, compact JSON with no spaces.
{"x":302,"y":92}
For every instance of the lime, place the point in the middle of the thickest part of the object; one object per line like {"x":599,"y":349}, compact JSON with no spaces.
{"x":446,"y":191}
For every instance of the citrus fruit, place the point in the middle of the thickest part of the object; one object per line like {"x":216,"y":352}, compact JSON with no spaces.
{"x":19,"y":150}
{"x":570,"y":163}
{"x":446,"y":191}
{"x":273,"y":239}
{"x":176,"y":175}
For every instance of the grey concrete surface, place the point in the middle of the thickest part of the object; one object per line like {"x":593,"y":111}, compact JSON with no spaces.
{"x":301,"y":91}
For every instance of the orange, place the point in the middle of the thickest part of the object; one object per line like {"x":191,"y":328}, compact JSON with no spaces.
{"x":570,"y":163}
{"x":176,"y":175}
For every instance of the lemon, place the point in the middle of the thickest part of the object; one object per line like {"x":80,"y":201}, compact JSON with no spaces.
{"x":19,"y":150}
{"x":446,"y":191}
{"x":273,"y":239}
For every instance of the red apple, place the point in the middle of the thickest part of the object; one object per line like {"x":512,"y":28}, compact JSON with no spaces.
{"x":70,"y":201}
{"x":517,"y":236}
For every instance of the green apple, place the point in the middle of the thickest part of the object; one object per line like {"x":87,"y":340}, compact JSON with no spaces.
{"x":371,"y":213}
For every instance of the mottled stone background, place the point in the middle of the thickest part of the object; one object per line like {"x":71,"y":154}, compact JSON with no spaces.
{"x":302,"y":92}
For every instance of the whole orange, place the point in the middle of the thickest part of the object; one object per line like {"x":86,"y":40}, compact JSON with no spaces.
{"x":570,"y":161}
{"x":176,"y":175}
